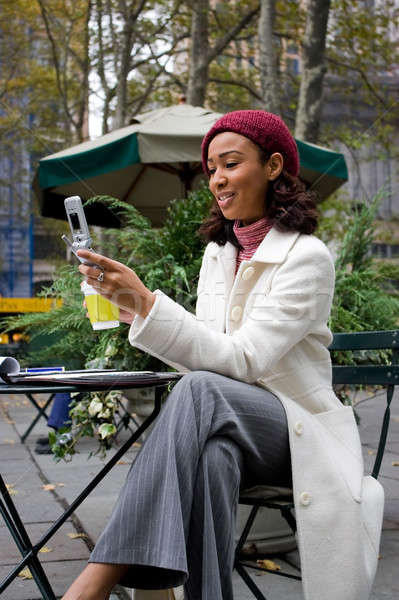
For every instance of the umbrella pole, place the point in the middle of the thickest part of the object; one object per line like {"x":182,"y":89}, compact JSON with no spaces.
{"x":187,"y":174}
{"x":134,"y":183}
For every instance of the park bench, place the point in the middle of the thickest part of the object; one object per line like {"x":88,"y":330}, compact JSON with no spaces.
{"x":281,"y":498}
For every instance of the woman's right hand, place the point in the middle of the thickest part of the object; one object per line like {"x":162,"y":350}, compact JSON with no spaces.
{"x":124,"y":315}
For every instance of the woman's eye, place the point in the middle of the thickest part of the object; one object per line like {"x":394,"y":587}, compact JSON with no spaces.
{"x":211,"y":171}
{"x":231,"y":164}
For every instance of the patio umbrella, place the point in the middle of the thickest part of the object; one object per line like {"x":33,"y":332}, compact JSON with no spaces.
{"x":150,"y":162}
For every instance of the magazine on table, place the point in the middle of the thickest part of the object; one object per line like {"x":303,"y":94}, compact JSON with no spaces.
{"x":12,"y":374}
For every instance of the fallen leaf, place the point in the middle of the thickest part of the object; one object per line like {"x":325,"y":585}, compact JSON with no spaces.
{"x":25,"y":573}
{"x":137,"y":445}
{"x":122,"y":462}
{"x":75,"y":536}
{"x":61,"y":484}
{"x":371,"y":452}
{"x":45,"y":549}
{"x":395,"y":463}
{"x":269,"y":565}
{"x":10,"y":488}
{"x":48,"y":487}
{"x":7,"y":441}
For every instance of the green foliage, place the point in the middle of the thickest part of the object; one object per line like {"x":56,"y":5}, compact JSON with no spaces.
{"x":74,"y":338}
{"x":388,"y":270}
{"x":336,"y":216}
{"x":361,"y":301}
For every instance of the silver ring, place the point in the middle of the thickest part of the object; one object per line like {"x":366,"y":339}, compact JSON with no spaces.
{"x":100,"y":277}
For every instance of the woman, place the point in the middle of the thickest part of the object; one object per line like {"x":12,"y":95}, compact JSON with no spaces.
{"x":257,"y":406}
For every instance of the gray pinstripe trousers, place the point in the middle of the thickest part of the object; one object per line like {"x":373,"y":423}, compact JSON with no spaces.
{"x":174,"y":521}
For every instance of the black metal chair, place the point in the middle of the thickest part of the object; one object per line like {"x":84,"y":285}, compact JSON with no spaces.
{"x":281,"y":498}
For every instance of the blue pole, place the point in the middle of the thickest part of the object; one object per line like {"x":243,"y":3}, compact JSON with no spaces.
{"x":11,"y":232}
{"x":31,"y":219}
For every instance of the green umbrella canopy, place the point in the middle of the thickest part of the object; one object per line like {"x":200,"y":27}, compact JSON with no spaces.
{"x":150,"y":162}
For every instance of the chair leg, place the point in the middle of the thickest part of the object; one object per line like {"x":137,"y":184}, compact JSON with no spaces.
{"x":288,"y":516}
{"x":248,"y":581}
{"x":239,"y":565}
{"x":246,"y":530}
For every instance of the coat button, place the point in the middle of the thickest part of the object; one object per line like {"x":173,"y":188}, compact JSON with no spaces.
{"x":236,"y":313}
{"x":247,"y":274}
{"x":305,"y":498}
{"x":298,"y":428}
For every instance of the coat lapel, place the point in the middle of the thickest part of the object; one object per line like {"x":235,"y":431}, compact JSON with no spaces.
{"x":272,"y":250}
{"x":275,"y":246}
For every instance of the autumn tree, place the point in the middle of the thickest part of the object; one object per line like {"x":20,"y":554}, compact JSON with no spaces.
{"x":132,"y":45}
{"x":44,"y":71}
{"x":208,"y":42}
{"x":66,"y":25}
{"x":298,"y":56}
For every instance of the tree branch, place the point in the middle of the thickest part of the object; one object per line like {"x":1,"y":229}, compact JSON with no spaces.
{"x":363,"y":76}
{"x":53,"y":45}
{"x":113,"y":36}
{"x":230,"y":35}
{"x":242,"y":84}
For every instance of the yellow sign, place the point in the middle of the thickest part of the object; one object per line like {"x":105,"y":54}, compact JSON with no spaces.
{"x":21,"y":305}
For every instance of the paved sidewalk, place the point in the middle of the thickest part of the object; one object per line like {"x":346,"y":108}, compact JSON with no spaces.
{"x":27,"y":473}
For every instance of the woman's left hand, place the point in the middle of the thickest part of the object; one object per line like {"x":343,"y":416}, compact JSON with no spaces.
{"x":120,"y":284}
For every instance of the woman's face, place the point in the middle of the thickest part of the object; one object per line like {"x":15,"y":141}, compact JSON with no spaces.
{"x":238,"y":180}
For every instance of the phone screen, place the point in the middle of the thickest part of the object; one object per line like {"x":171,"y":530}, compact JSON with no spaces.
{"x":75,"y":221}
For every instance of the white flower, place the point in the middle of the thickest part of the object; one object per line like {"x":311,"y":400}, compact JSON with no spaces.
{"x":106,"y":430}
{"x":95,"y":407}
{"x":105,"y":414}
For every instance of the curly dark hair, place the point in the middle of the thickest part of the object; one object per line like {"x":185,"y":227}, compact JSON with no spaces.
{"x":289,"y":205}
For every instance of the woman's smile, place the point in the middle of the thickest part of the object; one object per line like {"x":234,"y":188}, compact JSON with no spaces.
{"x":225,"y":199}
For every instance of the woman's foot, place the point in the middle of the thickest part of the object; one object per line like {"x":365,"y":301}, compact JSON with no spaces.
{"x":95,"y":582}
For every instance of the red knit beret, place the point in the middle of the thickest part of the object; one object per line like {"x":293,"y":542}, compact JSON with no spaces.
{"x":264,"y":128}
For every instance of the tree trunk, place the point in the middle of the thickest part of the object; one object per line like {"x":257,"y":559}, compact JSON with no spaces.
{"x":82,"y":126}
{"x":130,"y":14}
{"x":267,"y":57}
{"x":199,"y":63}
{"x":313,"y":69}
{"x":203,"y":53}
{"x":123,"y":72}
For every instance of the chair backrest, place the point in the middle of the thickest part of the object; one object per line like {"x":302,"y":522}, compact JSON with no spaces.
{"x":370,"y":374}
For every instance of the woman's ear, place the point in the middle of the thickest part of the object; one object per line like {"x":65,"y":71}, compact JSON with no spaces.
{"x":275,"y":165}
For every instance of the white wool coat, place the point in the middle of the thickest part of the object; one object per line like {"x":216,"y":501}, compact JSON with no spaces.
{"x":267,"y":325}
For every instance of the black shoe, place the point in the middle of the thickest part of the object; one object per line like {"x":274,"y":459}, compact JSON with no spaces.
{"x":42,"y":440}
{"x":43,"y":449}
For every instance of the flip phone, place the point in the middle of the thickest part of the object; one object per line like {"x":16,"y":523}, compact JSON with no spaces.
{"x":81,"y":239}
